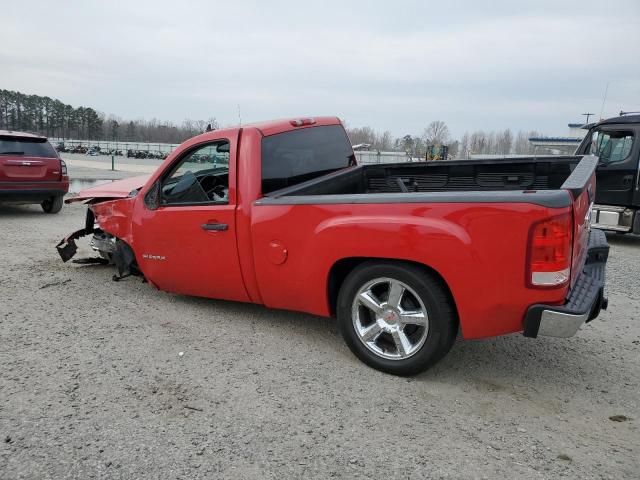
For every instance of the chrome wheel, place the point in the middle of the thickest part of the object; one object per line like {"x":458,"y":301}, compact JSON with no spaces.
{"x":390,"y":319}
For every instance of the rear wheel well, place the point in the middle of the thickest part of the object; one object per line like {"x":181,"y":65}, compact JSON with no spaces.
{"x":341,"y":269}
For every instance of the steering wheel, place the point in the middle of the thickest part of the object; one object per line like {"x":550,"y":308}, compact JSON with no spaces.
{"x":215,"y":190}
{"x":218,"y":193}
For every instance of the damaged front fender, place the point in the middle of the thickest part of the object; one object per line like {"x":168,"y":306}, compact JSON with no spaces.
{"x":109,"y":246}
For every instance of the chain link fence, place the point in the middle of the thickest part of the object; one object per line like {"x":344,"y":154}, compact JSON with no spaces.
{"x":161,"y":150}
{"x":114,"y":147}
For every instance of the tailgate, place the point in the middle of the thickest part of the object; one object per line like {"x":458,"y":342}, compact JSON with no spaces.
{"x":29,"y":169}
{"x":582,"y":186}
{"x":28,"y":161}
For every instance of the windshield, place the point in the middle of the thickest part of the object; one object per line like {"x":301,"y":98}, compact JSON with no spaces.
{"x":26,"y":147}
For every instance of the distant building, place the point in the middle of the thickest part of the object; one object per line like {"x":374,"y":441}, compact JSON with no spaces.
{"x":560,"y":145}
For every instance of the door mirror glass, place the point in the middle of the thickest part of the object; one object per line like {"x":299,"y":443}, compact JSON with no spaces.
{"x":152,"y":198}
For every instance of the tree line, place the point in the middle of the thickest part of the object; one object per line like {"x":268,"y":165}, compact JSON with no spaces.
{"x":55,"y":119}
{"x":479,"y":142}
{"x":435,"y":134}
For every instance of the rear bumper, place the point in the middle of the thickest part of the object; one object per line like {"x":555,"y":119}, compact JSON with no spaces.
{"x":584,"y":303}
{"x":614,"y":218}
{"x":32,"y":195}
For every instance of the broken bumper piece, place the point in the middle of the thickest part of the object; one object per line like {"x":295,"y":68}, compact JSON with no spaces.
{"x":118,"y":251}
{"x":67,"y":247}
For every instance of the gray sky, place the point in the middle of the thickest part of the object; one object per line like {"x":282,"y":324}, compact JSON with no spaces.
{"x":390,"y":65}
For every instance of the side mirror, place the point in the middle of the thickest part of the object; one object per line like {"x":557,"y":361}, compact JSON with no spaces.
{"x":152,"y":198}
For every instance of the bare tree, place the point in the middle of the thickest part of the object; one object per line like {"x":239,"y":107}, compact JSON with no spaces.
{"x":213,"y":122}
{"x":504,"y":142}
{"x":477,"y":143}
{"x":490,"y":146}
{"x":114,"y":127}
{"x":189,"y":126}
{"x":407,"y":143}
{"x":385,"y":141}
{"x":463,"y":149}
{"x":522,"y":145}
{"x":360,"y":135}
{"x":437,"y":133}
{"x":454,"y":149}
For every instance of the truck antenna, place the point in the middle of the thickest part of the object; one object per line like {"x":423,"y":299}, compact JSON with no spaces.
{"x":604,"y":99}
{"x":239,"y":116}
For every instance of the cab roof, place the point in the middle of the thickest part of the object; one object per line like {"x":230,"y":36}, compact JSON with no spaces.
{"x":271,"y":127}
{"x":274,"y":127}
{"x":623,"y":119}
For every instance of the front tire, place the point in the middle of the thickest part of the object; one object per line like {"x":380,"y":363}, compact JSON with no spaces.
{"x":396,"y":317}
{"x":52,"y":205}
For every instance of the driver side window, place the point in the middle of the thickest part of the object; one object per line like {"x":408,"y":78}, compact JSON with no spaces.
{"x":201,"y":176}
{"x":611,"y":146}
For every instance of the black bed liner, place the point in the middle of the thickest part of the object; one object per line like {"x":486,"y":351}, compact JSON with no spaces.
{"x":546,"y":181}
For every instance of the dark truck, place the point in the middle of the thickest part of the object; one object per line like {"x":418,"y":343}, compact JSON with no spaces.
{"x":614,"y":141}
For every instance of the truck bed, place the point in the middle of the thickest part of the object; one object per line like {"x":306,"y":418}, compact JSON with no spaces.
{"x":509,"y":174}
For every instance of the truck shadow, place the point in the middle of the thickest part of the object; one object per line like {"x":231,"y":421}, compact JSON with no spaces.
{"x":495,"y":364}
{"x":516,"y":364}
{"x":294,"y":321}
{"x":17,"y":210}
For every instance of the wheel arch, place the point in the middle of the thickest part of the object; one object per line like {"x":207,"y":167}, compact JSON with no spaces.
{"x":341,"y":269}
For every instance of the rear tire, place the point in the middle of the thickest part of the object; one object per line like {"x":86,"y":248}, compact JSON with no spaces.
{"x":396,"y":317}
{"x":53,"y":204}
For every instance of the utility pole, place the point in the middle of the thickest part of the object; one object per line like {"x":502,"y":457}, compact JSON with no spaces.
{"x":587,"y":115}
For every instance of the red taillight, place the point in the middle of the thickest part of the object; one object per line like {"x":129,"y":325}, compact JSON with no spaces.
{"x":549,"y":259}
{"x":302,"y":122}
{"x":63,"y":167}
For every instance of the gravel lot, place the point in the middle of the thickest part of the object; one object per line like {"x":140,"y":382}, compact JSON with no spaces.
{"x":92,"y":385}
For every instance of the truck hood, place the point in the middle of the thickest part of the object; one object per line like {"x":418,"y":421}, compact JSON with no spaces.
{"x":109,"y":191}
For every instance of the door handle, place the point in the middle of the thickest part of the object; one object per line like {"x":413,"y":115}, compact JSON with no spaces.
{"x":215,"y":227}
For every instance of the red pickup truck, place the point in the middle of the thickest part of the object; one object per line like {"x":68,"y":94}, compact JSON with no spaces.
{"x":31,"y":171}
{"x":405,"y":255}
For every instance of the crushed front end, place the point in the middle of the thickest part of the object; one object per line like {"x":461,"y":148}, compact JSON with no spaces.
{"x":112,"y":250}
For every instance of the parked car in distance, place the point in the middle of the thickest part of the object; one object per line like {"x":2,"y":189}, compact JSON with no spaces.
{"x":615,"y":142}
{"x":405,"y":255}
{"x":31,"y":171}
